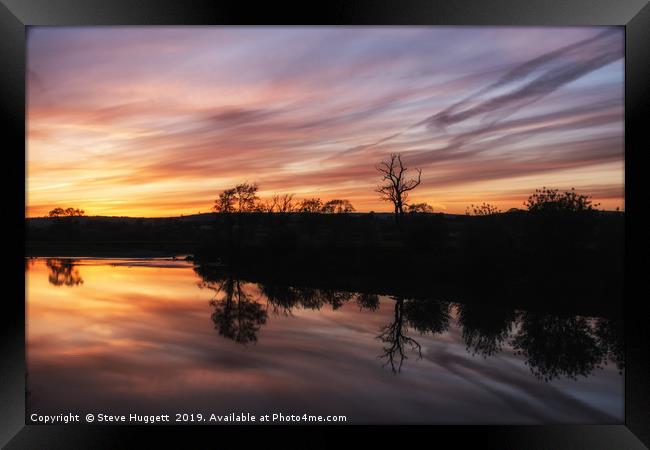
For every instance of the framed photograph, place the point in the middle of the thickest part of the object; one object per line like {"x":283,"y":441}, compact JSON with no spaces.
{"x":404,"y":219}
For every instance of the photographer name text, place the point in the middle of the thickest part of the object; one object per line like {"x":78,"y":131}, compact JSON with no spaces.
{"x":231,"y":418}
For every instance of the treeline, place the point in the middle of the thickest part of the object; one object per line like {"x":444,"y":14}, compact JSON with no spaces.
{"x":243,"y":198}
{"x":67,"y":212}
{"x":547,"y":256}
{"x":562,"y":344}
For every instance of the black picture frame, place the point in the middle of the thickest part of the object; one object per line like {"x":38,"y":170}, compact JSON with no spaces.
{"x":16,"y":15}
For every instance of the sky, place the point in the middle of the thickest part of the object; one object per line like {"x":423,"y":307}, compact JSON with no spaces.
{"x":156,"y":121}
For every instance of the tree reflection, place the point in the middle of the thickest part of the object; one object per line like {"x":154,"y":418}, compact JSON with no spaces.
{"x":421,"y":314}
{"x":551,"y":346}
{"x":610,"y":338}
{"x":236,"y":316}
{"x":558,"y":346}
{"x":426,"y":315}
{"x":284,"y":298}
{"x":336,"y":298}
{"x":368,"y":302}
{"x":485,"y":329}
{"x":63,"y":272}
{"x":396,"y":340}
{"x":29,"y":262}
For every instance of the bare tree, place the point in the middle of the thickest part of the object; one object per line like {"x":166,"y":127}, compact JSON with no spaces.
{"x":396,"y":186}
{"x":267,"y":206}
{"x":284,"y":203}
{"x":278,"y":203}
{"x":396,"y":340}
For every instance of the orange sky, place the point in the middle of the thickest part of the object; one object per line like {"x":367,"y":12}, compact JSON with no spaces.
{"x":156,"y":121}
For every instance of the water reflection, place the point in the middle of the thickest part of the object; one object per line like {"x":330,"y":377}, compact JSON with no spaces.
{"x":424,"y":316}
{"x":236,"y":315}
{"x":485,"y":329}
{"x":63,"y":272}
{"x":396,"y":340}
{"x":553,"y":346}
{"x":314,"y":333}
{"x":558,"y":346}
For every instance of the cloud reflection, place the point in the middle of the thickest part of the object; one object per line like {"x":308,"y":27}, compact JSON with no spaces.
{"x":140,"y":338}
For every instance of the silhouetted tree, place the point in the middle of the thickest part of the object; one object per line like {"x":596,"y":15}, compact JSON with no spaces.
{"x":225,"y":202}
{"x":311,"y":205}
{"x":283,"y":203}
{"x":68,"y":212}
{"x":245,"y":197}
{"x":548,"y":200}
{"x":337,"y":206}
{"x":240,"y":199}
{"x":265,"y":206}
{"x":559,"y":228}
{"x":278,"y":203}
{"x":396,"y":186}
{"x":419,"y":208}
{"x":484,"y":209}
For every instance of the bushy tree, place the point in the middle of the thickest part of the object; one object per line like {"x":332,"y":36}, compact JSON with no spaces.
{"x":419,"y":208}
{"x":68,"y":212}
{"x":311,"y":205}
{"x":552,"y":200}
{"x":337,"y":206}
{"x":57,"y":212}
{"x":240,"y":199}
{"x":225,"y":202}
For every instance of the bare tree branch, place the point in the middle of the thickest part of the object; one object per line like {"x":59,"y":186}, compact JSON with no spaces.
{"x":396,"y":187}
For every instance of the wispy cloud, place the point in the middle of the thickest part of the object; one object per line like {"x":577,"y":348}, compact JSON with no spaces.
{"x":549,"y":72}
{"x":167,"y":117}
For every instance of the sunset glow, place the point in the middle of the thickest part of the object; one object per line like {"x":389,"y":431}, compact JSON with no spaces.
{"x":156,"y":121}
{"x":139,"y":336}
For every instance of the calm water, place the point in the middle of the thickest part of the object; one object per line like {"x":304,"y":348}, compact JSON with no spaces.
{"x":161,"y":336}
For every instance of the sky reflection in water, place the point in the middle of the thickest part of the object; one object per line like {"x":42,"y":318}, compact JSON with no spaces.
{"x":156,"y":336}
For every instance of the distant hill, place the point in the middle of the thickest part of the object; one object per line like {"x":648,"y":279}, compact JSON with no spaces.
{"x":205,"y":218}
{"x":192,"y":218}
